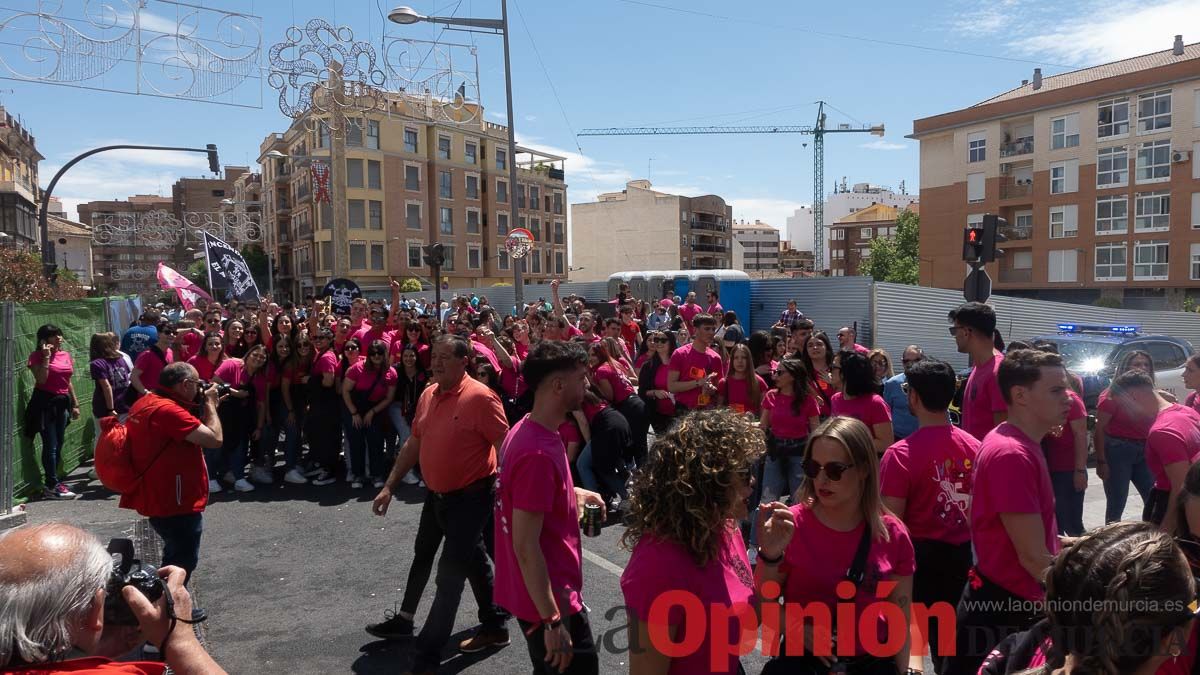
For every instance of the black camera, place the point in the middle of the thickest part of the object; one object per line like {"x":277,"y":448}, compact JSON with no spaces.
{"x":128,"y":571}
{"x":222,"y":389}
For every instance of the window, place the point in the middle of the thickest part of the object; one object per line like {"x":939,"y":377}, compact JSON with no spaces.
{"x":354,"y":133}
{"x":472,"y":221}
{"x":375,"y":214}
{"x":323,"y":139}
{"x":1110,"y":262}
{"x":501,"y":258}
{"x":448,"y":255}
{"x":358,"y":255}
{"x":444,"y":147}
{"x":412,"y":178}
{"x":414,"y":254}
{"x":374,"y":175}
{"x":1064,"y":176}
{"x":535,"y":261}
{"x":558,"y":203}
{"x":520,"y":196}
{"x":373,"y":134}
{"x":357,"y":211}
{"x":446,"y":224}
{"x":1195,"y":251}
{"x":1154,"y":111}
{"x":1062,"y":266}
{"x":560,"y":236}
{"x":410,"y":140}
{"x":326,"y":255}
{"x":445,"y":185}
{"x":866,"y":233}
{"x":533,"y":196}
{"x":1150,"y":260}
{"x":218,"y":193}
{"x":501,"y":159}
{"x":472,"y":187}
{"x":1153,"y":211}
{"x":471,"y":151}
{"x":1112,"y":214}
{"x":560,"y":264}
{"x":1154,"y":161}
{"x":501,"y":192}
{"x":377,"y":257}
{"x":535,"y":226}
{"x":1196,"y":210}
{"x":1064,"y":221}
{"x":1023,"y":260}
{"x":975,"y":187}
{"x":474,"y":257}
{"x":1112,"y":117}
{"x":1064,"y":131}
{"x":977,"y":146}
{"x":501,"y":223}
{"x":1112,"y":167}
{"x":412,"y":216}
{"x":354,"y":173}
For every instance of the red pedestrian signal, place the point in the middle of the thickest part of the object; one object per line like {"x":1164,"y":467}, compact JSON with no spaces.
{"x":972,"y":243}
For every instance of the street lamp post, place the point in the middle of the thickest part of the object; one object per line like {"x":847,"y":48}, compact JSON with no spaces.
{"x":407,"y":16}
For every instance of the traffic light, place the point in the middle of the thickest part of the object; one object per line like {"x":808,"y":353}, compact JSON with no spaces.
{"x":214,"y":163}
{"x":973,"y":243}
{"x":435,"y":255}
{"x":992,"y":236}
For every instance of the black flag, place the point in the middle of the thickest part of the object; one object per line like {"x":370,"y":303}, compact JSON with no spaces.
{"x":228,"y":274}
{"x":341,"y":294}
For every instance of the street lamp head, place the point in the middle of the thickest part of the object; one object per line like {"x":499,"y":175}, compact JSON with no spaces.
{"x":275,"y":154}
{"x":405,"y":16}
{"x":227,"y":202}
{"x":877,"y":131}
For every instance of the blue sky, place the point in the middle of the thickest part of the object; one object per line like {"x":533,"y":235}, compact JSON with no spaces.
{"x":640,"y":62}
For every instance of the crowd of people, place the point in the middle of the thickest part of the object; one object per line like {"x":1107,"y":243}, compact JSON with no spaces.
{"x":788,"y":472}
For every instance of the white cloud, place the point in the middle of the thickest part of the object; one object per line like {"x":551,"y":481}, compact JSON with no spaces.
{"x":881,"y":144}
{"x":991,"y":18}
{"x":1104,"y":36}
{"x":531,"y":118}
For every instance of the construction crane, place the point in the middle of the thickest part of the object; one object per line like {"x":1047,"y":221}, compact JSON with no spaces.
{"x":817,"y":131}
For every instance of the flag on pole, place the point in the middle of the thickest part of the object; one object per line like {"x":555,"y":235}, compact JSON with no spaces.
{"x":228,"y":274}
{"x":187,"y":291}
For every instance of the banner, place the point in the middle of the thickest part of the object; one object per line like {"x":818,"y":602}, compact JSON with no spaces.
{"x":228,"y":274}
{"x":187,"y":291}
{"x":341,"y":294}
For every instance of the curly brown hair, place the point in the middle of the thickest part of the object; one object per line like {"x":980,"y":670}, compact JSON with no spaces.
{"x":684,"y":494}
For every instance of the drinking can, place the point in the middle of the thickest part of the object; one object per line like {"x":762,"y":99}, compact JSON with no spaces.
{"x":591,"y":520}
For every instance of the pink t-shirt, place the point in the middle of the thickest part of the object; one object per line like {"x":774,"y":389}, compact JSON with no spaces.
{"x":621,"y":388}
{"x":931,"y":469}
{"x":817,"y":559}
{"x":870,"y":410}
{"x":1192,"y":401}
{"x":233,"y":373}
{"x":397,"y":350}
{"x":784,"y":422}
{"x":325,"y":362}
{"x":511,"y":380}
{"x":189,"y":344}
{"x":982,"y":398}
{"x":569,"y":432}
{"x":369,"y":334}
{"x":1011,"y":476}
{"x":58,"y":375}
{"x":657,"y":567}
{"x":152,"y":365}
{"x":1060,"y":442}
{"x":665,"y":405}
{"x":1174,"y":437}
{"x":204,"y":367}
{"x":535,"y":477}
{"x":689,"y":312}
{"x":693,"y":365}
{"x":737,"y":394}
{"x":715,"y":309}
{"x":378,"y":383}
{"x":1123,"y":422}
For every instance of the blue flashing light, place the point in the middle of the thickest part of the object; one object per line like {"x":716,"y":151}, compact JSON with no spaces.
{"x":1098,"y":328}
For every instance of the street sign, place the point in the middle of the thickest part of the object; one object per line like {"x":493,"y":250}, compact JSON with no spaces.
{"x":978,"y":285}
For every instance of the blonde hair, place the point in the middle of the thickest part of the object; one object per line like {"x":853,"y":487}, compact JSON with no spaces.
{"x":886,"y":359}
{"x":854,"y":436}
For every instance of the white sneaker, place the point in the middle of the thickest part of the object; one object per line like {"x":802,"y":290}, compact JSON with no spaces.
{"x":262,"y":475}
{"x":92,"y":474}
{"x":379,"y":482}
{"x":228,"y":477}
{"x":324,"y":478}
{"x":213,"y":486}
{"x":243,"y":485}
{"x":294,"y":477}
{"x":410,"y":478}
{"x":356,"y":484}
{"x":313,"y":471}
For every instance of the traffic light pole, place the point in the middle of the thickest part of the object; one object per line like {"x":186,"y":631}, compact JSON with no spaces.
{"x":49,"y":264}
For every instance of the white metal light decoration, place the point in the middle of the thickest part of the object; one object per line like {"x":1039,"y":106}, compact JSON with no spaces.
{"x":429,"y":69}
{"x":173,"y":49}
{"x":161,"y":229}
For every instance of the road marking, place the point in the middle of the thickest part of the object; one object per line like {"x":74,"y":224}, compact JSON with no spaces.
{"x":603,"y":563}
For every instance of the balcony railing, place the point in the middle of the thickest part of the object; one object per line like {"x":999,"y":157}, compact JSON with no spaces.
{"x":1017,"y":232}
{"x":1010,"y":189}
{"x":707,"y":225}
{"x":556,"y":174}
{"x":1021,"y":146}
{"x":1011,"y":276}
{"x":711,"y":248}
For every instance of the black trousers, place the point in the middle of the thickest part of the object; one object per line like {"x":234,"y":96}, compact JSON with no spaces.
{"x":986,"y":615}
{"x":940,"y":578}
{"x":585,"y":660}
{"x":425,"y":548}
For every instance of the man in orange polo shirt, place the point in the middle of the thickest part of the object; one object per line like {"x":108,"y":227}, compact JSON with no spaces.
{"x":457,"y":427}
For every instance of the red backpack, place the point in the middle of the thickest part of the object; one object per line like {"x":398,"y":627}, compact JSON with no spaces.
{"x":114,"y":457}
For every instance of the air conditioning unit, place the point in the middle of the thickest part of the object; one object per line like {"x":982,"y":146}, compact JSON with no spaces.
{"x":1179,"y":156}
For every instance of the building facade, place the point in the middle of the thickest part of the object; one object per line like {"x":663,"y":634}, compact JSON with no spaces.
{"x":410,"y":178}
{"x":795,"y":262}
{"x":1093,"y":170}
{"x":760,"y":244}
{"x":640,"y":228}
{"x":850,"y":237}
{"x":73,"y":246}
{"x":19,"y":191}
{"x":844,"y":200}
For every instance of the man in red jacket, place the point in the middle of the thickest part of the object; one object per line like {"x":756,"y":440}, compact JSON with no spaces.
{"x":166,"y":441}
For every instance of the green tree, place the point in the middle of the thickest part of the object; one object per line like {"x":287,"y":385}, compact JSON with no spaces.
{"x":198,"y":273}
{"x":259,"y":263}
{"x":410,"y":285}
{"x":896,"y":259}
{"x":21,"y":279}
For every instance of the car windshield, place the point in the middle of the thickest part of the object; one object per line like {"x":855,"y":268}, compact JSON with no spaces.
{"x":1086,"y":356}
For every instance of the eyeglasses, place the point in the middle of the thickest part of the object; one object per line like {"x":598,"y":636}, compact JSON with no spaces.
{"x":374,"y":354}
{"x":833,"y":470}
{"x":351,"y":348}
{"x":658,"y":340}
{"x":954,"y":329}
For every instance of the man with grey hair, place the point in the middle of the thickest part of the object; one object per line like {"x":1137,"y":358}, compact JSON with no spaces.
{"x":894,"y":394}
{"x":52,"y":592}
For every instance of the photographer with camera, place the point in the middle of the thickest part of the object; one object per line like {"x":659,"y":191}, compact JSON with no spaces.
{"x":69,"y":609}
{"x":165,"y":443}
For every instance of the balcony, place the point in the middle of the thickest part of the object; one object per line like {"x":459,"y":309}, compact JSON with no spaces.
{"x":710,"y":248}
{"x":1021,"y":146}
{"x":1011,"y":276}
{"x":1010,"y":189}
{"x":556,"y":174}
{"x":1017,"y":232}
{"x":283,"y":174}
{"x":711,"y":226}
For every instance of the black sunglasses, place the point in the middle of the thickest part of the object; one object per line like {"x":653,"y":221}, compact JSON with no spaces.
{"x":833,"y":470}
{"x":351,"y":348}
{"x":658,"y":339}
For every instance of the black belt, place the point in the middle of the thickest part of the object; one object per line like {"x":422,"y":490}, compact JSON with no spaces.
{"x":480,"y":485}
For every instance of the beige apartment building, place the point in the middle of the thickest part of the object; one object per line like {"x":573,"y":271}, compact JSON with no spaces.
{"x":411,"y":178}
{"x":1095,"y":171}
{"x":640,"y":228}
{"x":19,"y":191}
{"x":850,"y":237}
{"x":760,"y":243}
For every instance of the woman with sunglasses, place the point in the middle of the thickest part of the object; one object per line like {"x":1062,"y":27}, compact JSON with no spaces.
{"x":207,"y":361}
{"x":1121,"y":599}
{"x":611,"y":380}
{"x":881,"y":365}
{"x":412,"y":336}
{"x":352,"y":352}
{"x":242,"y":414}
{"x":250,"y":337}
{"x":1119,"y":441}
{"x":652,"y":380}
{"x":234,"y":332}
{"x":411,"y":380}
{"x":368,"y":391}
{"x":279,"y":360}
{"x":682,"y":529}
{"x":741,"y":389}
{"x":324,"y":435}
{"x":838,"y":518}
{"x":817,"y":355}
{"x":789,"y":414}
{"x":859,"y":398}
{"x":52,"y":405}
{"x":293,"y":386}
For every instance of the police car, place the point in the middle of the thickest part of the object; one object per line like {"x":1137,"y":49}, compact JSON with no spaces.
{"x":1092,"y":351}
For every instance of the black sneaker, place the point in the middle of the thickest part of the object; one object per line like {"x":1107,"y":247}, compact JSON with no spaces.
{"x":394,"y":627}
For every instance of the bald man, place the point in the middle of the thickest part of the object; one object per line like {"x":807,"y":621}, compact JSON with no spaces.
{"x":60,"y":566}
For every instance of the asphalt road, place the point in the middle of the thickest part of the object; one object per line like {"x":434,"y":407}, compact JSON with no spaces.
{"x":290,"y":575}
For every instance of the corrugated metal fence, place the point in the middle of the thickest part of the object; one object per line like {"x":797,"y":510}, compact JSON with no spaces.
{"x":830,"y":302}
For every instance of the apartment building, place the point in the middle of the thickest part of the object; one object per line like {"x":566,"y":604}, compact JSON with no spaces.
{"x":760,"y":243}
{"x":410,"y":179}
{"x":841,"y":202}
{"x":1095,"y":171}
{"x":640,"y":228}
{"x":851,"y":236}
{"x":19,"y":191}
{"x":796,"y":262}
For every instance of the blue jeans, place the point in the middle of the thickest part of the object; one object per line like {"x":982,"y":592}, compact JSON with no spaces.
{"x":395,"y":413}
{"x":366,"y":444}
{"x":1068,"y":503}
{"x":270,"y":436}
{"x":781,"y":478}
{"x":52,"y":441}
{"x":1126,"y":463}
{"x":181,"y":539}
{"x":231,"y":456}
{"x":612,"y":484}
